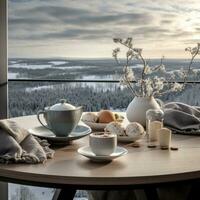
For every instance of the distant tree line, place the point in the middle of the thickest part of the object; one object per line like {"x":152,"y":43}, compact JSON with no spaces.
{"x":25,"y":102}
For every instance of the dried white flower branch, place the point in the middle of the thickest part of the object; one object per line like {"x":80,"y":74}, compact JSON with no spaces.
{"x":194,"y":52}
{"x":148,"y":85}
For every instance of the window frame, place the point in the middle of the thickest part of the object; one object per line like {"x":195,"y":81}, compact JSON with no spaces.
{"x":3,"y":60}
{"x":3,"y":76}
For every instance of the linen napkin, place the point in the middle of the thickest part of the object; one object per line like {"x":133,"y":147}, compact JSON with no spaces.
{"x":18,"y":146}
{"x":182,"y":118}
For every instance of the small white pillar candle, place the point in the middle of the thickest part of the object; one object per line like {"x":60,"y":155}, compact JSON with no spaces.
{"x":153,"y":129}
{"x":165,"y":137}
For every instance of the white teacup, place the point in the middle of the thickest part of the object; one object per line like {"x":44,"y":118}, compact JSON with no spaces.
{"x":103,"y":144}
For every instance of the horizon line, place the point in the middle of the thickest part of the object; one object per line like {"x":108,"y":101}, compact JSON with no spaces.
{"x":91,"y":58}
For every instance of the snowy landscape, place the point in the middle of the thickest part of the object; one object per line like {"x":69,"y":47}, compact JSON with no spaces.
{"x":29,"y":97}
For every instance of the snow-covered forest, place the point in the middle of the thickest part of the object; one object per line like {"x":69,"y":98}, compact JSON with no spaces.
{"x":25,"y":102}
{"x":28,"y":97}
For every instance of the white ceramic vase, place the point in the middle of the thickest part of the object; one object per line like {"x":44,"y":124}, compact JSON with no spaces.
{"x":136,"y":110}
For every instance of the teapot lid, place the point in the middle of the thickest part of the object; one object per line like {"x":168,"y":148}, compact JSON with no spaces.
{"x":62,"y":106}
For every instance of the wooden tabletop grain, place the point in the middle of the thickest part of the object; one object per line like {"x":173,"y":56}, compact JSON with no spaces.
{"x":140,"y":166}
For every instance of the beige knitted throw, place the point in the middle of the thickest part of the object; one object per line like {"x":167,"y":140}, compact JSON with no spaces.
{"x":18,"y":146}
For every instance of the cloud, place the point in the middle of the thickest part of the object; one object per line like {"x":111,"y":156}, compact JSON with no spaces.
{"x":27,"y":21}
{"x":148,"y":21}
{"x":78,"y":16}
{"x":197,"y":29}
{"x":40,"y":23}
{"x":151,"y":31}
{"x":68,"y":34}
{"x":166,"y":22}
{"x":55,"y":11}
{"x":119,"y":18}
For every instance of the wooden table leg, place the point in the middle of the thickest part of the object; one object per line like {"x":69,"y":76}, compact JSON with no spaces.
{"x":3,"y":191}
{"x":194,"y":192}
{"x":151,"y":193}
{"x":64,"y":194}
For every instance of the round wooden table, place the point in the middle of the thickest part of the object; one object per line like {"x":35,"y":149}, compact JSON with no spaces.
{"x":141,"y":167}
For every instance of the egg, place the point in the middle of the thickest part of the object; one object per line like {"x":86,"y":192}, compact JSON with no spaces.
{"x":90,"y":117}
{"x":115,"y":128}
{"x":135,"y":130}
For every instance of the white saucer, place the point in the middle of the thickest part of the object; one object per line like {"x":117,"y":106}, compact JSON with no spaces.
{"x":86,"y":151}
{"x":80,"y":131}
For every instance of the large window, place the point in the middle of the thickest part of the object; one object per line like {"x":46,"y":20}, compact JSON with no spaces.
{"x":73,"y":40}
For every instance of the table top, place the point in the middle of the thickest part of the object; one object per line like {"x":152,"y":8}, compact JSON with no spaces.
{"x":140,"y":166}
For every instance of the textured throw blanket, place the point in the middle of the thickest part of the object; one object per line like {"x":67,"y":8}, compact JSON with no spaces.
{"x":18,"y":146}
{"x":182,"y":118}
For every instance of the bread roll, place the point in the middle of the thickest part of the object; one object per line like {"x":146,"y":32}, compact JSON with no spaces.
{"x":115,"y":128}
{"x":90,"y":117}
{"x":135,"y":129}
{"x":106,"y":116}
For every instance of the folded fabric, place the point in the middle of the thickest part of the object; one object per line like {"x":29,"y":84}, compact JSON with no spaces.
{"x":182,"y":118}
{"x":18,"y":146}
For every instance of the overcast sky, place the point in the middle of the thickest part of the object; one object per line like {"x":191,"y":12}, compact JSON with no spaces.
{"x":85,"y":28}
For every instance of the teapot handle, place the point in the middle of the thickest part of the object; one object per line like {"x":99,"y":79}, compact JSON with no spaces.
{"x":160,"y":102}
{"x":38,"y":117}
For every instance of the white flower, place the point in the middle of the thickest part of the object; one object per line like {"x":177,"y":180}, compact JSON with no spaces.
{"x":148,"y":86}
{"x":129,"y":74}
{"x":127,"y":77}
{"x":147,"y":70}
{"x":149,"y":90}
{"x":147,"y":81}
{"x":158,"y":83}
{"x":177,"y":87}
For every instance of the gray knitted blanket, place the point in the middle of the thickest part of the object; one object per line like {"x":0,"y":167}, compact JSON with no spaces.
{"x":18,"y":146}
{"x":182,"y":118}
